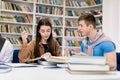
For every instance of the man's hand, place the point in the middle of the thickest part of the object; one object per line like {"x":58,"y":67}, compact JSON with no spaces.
{"x":77,"y":53}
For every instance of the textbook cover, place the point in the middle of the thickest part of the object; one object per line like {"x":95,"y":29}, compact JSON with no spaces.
{"x":88,"y":67}
{"x":88,"y":60}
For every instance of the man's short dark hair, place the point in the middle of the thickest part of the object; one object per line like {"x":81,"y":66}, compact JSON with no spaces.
{"x":88,"y":18}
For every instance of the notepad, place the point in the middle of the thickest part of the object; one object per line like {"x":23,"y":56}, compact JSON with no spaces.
{"x":5,"y":68}
{"x":20,"y":65}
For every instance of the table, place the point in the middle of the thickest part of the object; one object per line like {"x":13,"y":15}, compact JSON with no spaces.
{"x":52,"y":73}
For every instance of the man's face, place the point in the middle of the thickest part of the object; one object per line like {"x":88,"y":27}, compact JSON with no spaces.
{"x":83,"y":28}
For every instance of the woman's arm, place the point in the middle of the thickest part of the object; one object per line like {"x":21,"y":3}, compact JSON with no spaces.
{"x":27,"y":49}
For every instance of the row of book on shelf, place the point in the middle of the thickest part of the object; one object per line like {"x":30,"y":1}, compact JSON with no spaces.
{"x":46,"y":9}
{"x":82,"y":3}
{"x":18,"y":40}
{"x":55,"y":22}
{"x":27,"y":8}
{"x":15,"y":29}
{"x":78,"y":13}
{"x":72,"y":32}
{"x":7,"y":28}
{"x":49,"y":10}
{"x":16,"y":18}
{"x":73,"y":43}
{"x":28,"y":19}
{"x":15,"y":41}
{"x":72,"y":3}
{"x":52,"y":2}
{"x":15,"y":7}
{"x":18,"y":7}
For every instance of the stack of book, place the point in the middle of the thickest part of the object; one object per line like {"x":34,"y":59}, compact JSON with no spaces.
{"x":78,"y":64}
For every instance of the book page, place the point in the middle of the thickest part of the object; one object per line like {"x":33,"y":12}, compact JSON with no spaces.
{"x":59,"y":59}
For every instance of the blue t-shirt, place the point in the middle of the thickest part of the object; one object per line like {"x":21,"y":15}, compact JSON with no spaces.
{"x":100,"y":49}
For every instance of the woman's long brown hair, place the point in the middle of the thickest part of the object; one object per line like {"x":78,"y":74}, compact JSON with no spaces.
{"x":45,"y":22}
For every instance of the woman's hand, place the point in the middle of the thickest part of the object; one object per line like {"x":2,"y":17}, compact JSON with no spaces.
{"x":46,"y":55}
{"x":24,"y":37}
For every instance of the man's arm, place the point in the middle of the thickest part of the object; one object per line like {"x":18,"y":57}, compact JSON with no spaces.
{"x":8,"y":53}
{"x":111,"y":60}
{"x":109,"y":51}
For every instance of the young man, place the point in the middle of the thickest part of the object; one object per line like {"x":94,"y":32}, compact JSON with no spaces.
{"x":6,"y":50}
{"x":96,"y":43}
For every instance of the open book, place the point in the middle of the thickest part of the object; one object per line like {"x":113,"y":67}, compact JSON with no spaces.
{"x":74,"y":59}
{"x":58,"y":59}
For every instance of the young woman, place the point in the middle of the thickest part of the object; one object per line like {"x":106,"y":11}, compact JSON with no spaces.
{"x":44,"y":45}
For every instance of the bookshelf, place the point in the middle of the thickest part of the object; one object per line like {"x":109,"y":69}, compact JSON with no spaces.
{"x":19,"y":15}
{"x":16,"y":16}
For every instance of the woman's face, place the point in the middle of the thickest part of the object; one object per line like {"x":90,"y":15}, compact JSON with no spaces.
{"x":45,"y":32}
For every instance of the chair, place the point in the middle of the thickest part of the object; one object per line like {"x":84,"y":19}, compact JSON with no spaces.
{"x":15,"y":56}
{"x":118,"y":60}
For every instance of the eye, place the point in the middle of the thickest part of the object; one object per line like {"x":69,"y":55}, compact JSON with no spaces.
{"x":48,"y":30}
{"x":81,"y":25}
{"x":42,"y":31}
